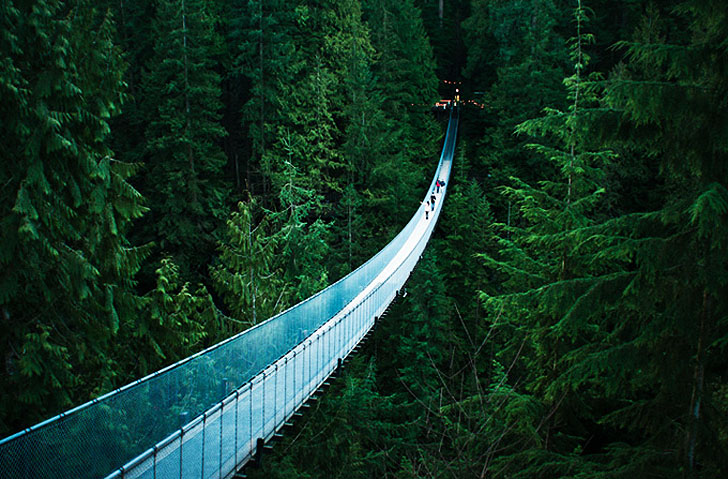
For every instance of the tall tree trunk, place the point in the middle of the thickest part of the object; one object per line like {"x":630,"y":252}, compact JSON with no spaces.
{"x":253,"y":285}
{"x":697,"y":393}
{"x":262,"y":85}
{"x":190,"y":156}
{"x":350,"y":233}
{"x":572,"y":140}
{"x":237,"y":172}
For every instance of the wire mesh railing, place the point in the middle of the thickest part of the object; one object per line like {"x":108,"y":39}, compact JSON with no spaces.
{"x":216,"y":407}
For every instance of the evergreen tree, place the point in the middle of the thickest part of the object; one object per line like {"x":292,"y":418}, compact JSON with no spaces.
{"x":610,"y":327}
{"x":134,"y":36}
{"x":554,"y":282}
{"x":265,"y":56}
{"x":404,"y":68}
{"x":178,"y":320}
{"x":308,"y":135}
{"x":668,"y":100}
{"x":442,"y":19}
{"x":301,"y":236}
{"x":66,"y":281}
{"x":517,"y":58}
{"x":183,"y":179}
{"x":246,"y":274}
{"x":424,"y":345}
{"x":465,"y":228}
{"x":365,"y":136}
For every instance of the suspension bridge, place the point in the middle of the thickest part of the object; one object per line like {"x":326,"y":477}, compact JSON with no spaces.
{"x":210,"y":414}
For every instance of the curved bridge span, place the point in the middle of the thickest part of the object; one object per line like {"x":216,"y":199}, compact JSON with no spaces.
{"x":208,"y":415}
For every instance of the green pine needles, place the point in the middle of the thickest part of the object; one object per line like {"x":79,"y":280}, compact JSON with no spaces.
{"x":616,"y":319}
{"x":66,"y":287}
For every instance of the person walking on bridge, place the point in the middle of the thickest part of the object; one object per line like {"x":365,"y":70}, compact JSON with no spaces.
{"x":427,"y":209}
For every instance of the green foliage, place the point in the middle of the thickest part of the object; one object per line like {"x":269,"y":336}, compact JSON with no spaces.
{"x":465,"y":226}
{"x":183,"y":159}
{"x":685,"y":303}
{"x":423,"y":347}
{"x":596,"y":345}
{"x":404,"y":69}
{"x":333,"y":157}
{"x":605,"y":325}
{"x":134,"y":36}
{"x":517,"y":59}
{"x":443,"y":23}
{"x":263,"y":53}
{"x":295,"y":138}
{"x":177,"y":318}
{"x":302,"y":242}
{"x":66,"y":281}
{"x":246,"y":274}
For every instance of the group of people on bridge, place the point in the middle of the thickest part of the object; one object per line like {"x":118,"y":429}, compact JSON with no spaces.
{"x":430,"y":203}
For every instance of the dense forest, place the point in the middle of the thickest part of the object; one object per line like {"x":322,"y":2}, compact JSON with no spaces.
{"x":176,"y":171}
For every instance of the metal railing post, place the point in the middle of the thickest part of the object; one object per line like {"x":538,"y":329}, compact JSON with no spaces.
{"x":310,"y":360}
{"x":181,"y":444}
{"x":275,"y":399}
{"x":204,"y":430}
{"x":262,"y":408}
{"x":294,"y":382}
{"x":222,"y":419}
{"x":237,"y":403}
{"x":303,"y":369}
{"x":285,"y":386}
{"x":250,"y":418}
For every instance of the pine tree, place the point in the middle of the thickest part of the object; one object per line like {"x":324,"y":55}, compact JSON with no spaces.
{"x":668,"y":99}
{"x":610,"y":326}
{"x":301,"y":236}
{"x":134,"y":36}
{"x":266,"y":58}
{"x":177,"y":320}
{"x":465,"y":228}
{"x":183,"y":179}
{"x":551,"y":317}
{"x":404,"y":68}
{"x":246,"y":275}
{"x":517,"y":59}
{"x":66,"y":281}
{"x":423,"y":346}
{"x":365,"y":138}
{"x":442,"y":20}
